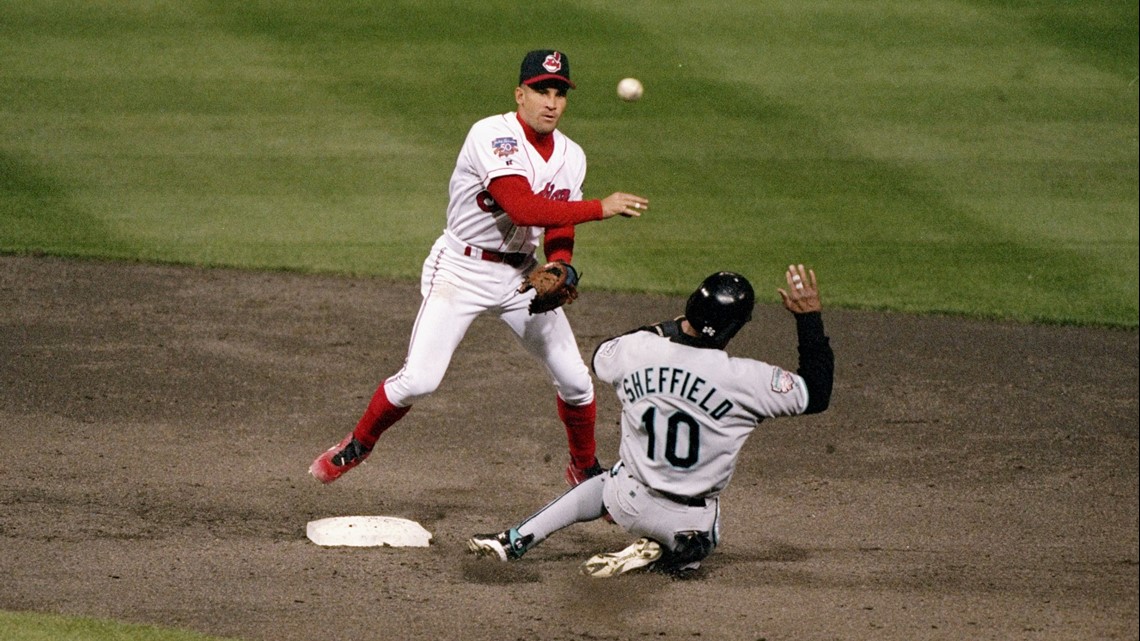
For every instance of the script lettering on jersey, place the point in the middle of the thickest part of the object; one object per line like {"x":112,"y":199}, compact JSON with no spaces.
{"x":487,"y":203}
{"x":550,"y":193}
{"x":679,"y":383}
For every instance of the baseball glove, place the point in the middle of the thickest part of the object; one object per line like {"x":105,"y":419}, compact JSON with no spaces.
{"x":555,"y":284}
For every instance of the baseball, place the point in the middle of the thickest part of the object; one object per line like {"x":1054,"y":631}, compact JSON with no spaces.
{"x":630,"y":89}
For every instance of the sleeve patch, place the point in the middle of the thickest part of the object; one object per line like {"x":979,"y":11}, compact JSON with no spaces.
{"x":782,"y":381}
{"x":607,"y":350}
{"x":505,"y":146}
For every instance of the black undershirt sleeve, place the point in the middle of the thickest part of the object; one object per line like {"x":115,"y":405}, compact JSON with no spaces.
{"x":817,"y":361}
{"x":667,"y":329}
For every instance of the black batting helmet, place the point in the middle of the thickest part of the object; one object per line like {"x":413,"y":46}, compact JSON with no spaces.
{"x":720,"y":307}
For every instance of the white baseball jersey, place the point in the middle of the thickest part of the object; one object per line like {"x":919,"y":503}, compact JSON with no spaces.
{"x":687,"y":411}
{"x":497,"y":146}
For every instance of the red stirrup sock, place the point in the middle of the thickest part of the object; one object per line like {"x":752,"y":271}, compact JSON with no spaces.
{"x":380,"y":415}
{"x":579,"y":421}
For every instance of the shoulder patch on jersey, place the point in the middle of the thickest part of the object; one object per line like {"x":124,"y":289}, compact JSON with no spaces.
{"x":505,"y":146}
{"x":609,"y":348}
{"x":782,"y":381}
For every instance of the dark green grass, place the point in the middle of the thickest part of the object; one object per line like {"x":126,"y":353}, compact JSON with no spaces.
{"x":974,"y":158}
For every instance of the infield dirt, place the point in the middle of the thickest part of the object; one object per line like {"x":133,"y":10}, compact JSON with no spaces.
{"x":972,"y":480}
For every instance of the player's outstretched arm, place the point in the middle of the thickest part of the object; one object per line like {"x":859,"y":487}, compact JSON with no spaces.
{"x":525,"y":208}
{"x":623,"y":204}
{"x":817,"y":361}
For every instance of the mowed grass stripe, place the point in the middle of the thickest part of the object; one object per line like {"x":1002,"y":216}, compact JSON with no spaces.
{"x":959,"y":164}
{"x":928,"y":156}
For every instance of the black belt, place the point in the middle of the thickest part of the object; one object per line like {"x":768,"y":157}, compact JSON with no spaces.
{"x":689,"y":501}
{"x":514,"y":259}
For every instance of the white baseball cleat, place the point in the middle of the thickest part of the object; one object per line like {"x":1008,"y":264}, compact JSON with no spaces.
{"x":505,"y":546}
{"x":638,"y":555}
{"x":488,"y":545}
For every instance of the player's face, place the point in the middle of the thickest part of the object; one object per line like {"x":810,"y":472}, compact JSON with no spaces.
{"x":541,"y":107}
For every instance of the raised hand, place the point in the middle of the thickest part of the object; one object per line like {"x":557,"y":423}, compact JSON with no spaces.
{"x":802,"y":295}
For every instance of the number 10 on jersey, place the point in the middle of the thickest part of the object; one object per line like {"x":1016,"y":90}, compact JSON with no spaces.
{"x":680,"y":428}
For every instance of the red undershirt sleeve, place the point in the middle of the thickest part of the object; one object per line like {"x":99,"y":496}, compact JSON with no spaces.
{"x":526,"y":209}
{"x":558,"y":243}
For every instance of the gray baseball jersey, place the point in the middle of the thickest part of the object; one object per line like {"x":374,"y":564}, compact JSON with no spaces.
{"x":687,"y":411}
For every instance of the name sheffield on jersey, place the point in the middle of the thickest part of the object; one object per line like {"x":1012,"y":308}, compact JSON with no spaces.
{"x":673,"y":381}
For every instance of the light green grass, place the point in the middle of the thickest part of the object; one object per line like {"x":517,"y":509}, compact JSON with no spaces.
{"x":974,"y":158}
{"x":15,"y":626}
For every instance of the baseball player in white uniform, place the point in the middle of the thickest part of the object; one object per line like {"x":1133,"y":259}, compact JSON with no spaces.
{"x":687,"y":409}
{"x":517,"y":180}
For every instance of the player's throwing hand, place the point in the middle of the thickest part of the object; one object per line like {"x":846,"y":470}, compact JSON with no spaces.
{"x":626,"y":205}
{"x":802,"y":295}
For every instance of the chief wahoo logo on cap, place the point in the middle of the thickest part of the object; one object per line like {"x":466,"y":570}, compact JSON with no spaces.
{"x":553,"y":62}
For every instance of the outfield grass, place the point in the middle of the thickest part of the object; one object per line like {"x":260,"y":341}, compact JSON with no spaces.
{"x":15,"y":626}
{"x":975,"y":157}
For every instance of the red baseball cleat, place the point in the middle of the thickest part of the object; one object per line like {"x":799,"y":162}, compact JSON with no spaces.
{"x":339,"y":459}
{"x":575,"y":474}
